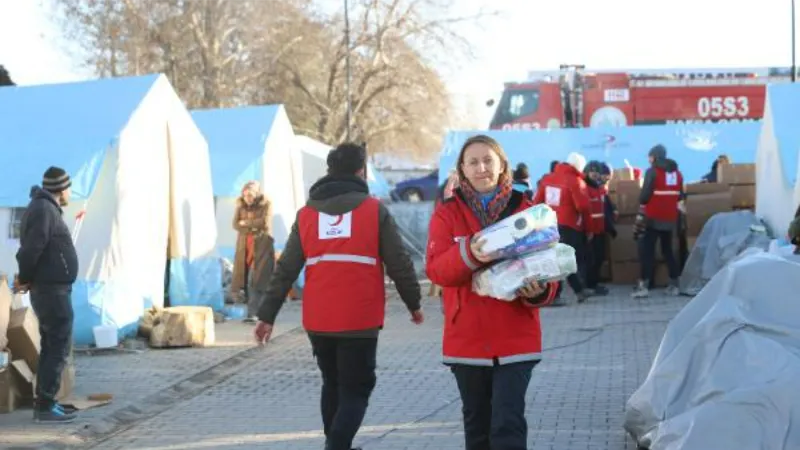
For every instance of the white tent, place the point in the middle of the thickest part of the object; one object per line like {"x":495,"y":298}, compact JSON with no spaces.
{"x":141,"y":192}
{"x":252,"y":143}
{"x":777,"y":167}
{"x":315,"y":166}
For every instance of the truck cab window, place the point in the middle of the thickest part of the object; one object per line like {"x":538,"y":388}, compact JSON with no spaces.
{"x":516,"y":104}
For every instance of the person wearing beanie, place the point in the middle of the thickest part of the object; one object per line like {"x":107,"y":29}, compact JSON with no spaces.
{"x":596,"y":227}
{"x":344,"y":237}
{"x":659,"y":214}
{"x":565,"y":191}
{"x":522,"y":181}
{"x":48,"y":266}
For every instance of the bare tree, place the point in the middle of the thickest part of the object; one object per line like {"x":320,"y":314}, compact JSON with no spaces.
{"x":5,"y":78}
{"x":220,"y":53}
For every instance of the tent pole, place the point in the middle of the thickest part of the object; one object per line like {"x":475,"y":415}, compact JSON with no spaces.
{"x":347,"y":69}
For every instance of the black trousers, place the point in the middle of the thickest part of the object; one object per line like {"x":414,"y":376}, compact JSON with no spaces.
{"x":577,"y":240}
{"x":647,"y":254}
{"x":348,"y":378}
{"x":493,"y":405}
{"x":53,"y":307}
{"x":595,"y":257}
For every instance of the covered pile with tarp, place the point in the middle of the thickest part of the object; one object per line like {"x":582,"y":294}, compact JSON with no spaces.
{"x":724,"y":237}
{"x":725,"y":375}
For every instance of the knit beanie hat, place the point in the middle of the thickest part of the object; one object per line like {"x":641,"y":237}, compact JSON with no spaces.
{"x":658,"y":152}
{"x":56,"y":180}
{"x":577,"y":161}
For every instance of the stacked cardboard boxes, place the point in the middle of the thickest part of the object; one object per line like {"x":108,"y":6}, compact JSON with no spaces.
{"x":19,"y":354}
{"x":735,"y":189}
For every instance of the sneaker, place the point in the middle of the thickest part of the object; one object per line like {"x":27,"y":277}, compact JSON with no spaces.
{"x":600,"y":291}
{"x":588,"y":291}
{"x":673,"y":290}
{"x":68,"y":409}
{"x":584,"y":294}
{"x":641,"y":291}
{"x":53,"y":415}
{"x":251,"y":319}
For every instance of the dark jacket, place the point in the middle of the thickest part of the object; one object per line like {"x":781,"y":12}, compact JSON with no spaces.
{"x":648,"y":187}
{"x":337,"y":195}
{"x":524,"y":187}
{"x":47,"y":254}
{"x":711,"y":177}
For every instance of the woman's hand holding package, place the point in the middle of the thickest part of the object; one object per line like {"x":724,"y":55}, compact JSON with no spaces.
{"x":532,"y":289}
{"x":476,"y":247}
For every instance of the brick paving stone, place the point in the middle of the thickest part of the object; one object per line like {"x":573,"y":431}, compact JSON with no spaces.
{"x":596,"y":355}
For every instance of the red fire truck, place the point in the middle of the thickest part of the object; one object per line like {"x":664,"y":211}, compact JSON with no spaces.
{"x":574,"y":97}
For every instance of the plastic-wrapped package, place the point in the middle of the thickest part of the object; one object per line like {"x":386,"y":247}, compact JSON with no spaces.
{"x":533,"y":229}
{"x":502,"y":280}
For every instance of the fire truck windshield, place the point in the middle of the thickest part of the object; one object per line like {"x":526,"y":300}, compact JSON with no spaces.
{"x":514,"y":105}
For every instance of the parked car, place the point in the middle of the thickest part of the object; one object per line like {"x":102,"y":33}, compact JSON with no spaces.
{"x":422,"y":189}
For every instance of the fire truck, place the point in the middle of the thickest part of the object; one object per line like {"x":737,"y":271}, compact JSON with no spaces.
{"x":574,"y":97}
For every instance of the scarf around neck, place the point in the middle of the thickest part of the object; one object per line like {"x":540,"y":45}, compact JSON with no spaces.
{"x":495,"y":206}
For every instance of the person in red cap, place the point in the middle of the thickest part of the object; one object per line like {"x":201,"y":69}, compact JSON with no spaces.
{"x":660,"y":199}
{"x":565,"y":191}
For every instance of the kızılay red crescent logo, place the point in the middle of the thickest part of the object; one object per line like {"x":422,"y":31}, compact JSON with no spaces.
{"x":337,"y":220}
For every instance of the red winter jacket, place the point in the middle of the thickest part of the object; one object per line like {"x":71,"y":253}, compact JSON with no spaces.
{"x":564,"y":190}
{"x":478,"y":330}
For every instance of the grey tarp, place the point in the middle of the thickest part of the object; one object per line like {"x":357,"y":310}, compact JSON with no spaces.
{"x":725,"y":375}
{"x":724,"y":236}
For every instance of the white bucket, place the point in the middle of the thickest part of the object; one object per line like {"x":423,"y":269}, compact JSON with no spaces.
{"x":105,"y":336}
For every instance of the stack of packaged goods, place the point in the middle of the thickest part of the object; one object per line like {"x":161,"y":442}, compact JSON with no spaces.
{"x":527,"y":249}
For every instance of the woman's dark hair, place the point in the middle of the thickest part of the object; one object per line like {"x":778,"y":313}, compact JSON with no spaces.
{"x":553,"y":165}
{"x":491,"y":143}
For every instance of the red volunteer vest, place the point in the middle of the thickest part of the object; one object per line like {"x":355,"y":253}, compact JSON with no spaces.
{"x":344,"y":288}
{"x":597,"y":210}
{"x":663,"y":204}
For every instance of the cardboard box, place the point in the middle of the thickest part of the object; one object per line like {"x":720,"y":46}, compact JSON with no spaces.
{"x":736,"y":174}
{"x":743,"y":195}
{"x":10,"y":396}
{"x":23,"y":337}
{"x":624,"y":248}
{"x":700,"y":208}
{"x":5,"y":311}
{"x":705,"y":188}
{"x":626,"y":197}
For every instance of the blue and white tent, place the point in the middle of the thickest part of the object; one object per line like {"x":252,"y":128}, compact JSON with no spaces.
{"x":777,"y":162}
{"x":141,"y":192}
{"x":694,"y":147}
{"x":315,"y":166}
{"x":252,"y":143}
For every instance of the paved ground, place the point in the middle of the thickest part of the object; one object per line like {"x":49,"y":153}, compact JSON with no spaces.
{"x":596,"y":355}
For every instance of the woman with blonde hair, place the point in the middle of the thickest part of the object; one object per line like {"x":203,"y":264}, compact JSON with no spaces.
{"x":491,"y":345}
{"x":255,"y":249}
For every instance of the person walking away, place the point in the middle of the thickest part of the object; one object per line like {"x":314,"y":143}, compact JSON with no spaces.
{"x":490,"y":345}
{"x":565,"y":191}
{"x":662,"y":192}
{"x":522,"y":182}
{"x":344,"y":237}
{"x":254,"y":260}
{"x":48,"y":266}
{"x":595,"y":227}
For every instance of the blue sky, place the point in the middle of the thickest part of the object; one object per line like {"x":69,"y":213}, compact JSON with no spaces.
{"x":528,"y":35}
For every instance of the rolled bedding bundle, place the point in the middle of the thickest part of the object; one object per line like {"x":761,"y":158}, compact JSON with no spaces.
{"x":503,"y":279}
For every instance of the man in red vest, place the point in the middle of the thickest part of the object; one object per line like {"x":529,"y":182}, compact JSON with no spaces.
{"x":344,"y":238}
{"x":564,"y":190}
{"x":596,"y":227}
{"x":661,"y":197}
